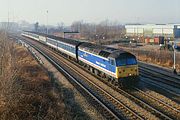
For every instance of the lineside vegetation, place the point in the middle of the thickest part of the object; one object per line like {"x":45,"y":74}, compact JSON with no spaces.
{"x":28,"y":91}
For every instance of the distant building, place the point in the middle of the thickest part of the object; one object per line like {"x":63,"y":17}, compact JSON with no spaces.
{"x":71,"y":35}
{"x":153,"y":30}
{"x":12,"y":26}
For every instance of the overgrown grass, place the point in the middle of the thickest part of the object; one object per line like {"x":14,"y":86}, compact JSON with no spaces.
{"x":28,"y":91}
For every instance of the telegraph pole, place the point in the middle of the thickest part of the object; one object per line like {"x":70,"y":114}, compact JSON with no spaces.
{"x":174,"y":66}
{"x":7,"y":24}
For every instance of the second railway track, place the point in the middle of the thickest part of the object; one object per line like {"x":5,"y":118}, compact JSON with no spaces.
{"x":165,"y":77}
{"x":106,"y":100}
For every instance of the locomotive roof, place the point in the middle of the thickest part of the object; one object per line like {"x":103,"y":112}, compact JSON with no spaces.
{"x":102,"y":50}
{"x":119,"y":53}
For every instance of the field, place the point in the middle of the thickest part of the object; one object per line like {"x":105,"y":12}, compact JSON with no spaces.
{"x":29,"y":91}
{"x":26,"y":89}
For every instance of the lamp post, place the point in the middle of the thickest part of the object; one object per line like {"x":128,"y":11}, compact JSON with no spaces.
{"x":7,"y":24}
{"x":47,"y":21}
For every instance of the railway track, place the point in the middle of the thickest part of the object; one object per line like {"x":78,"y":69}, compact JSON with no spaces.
{"x":151,"y":81}
{"x":163,"y":71}
{"x":159,"y":100}
{"x":159,"y":88}
{"x":160,"y":104}
{"x":102,"y":98}
{"x":117,"y":103}
{"x":165,"y":83}
{"x":143,"y":104}
{"x":160,"y":76}
{"x":146,"y":103}
{"x":162,"y":79}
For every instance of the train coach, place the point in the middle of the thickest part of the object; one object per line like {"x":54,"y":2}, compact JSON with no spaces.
{"x":31,"y":35}
{"x":116,"y":66}
{"x":67,"y":46}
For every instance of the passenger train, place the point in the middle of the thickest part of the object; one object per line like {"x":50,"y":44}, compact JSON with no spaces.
{"x":114,"y":65}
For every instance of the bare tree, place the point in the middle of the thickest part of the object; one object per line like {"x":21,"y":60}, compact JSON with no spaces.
{"x":105,"y":30}
{"x":60,"y":26}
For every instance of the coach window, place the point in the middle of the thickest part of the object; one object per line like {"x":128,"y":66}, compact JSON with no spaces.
{"x":69,"y":48}
{"x":66,"y":47}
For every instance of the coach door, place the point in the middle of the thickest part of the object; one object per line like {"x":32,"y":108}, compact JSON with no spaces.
{"x":112,"y":65}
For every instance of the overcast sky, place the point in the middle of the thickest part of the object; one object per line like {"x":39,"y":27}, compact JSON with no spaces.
{"x":67,"y":11}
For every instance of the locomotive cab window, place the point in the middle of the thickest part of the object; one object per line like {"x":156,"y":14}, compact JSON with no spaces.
{"x":126,"y":60}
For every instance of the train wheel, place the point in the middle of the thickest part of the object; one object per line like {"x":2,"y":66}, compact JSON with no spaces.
{"x":96,"y":72}
{"x":102,"y":75}
{"x":87,"y":67}
{"x":109,"y":79}
{"x":112,"y":81}
{"x":116,"y":84}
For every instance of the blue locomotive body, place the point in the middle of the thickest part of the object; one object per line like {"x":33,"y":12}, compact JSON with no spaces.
{"x":97,"y":62}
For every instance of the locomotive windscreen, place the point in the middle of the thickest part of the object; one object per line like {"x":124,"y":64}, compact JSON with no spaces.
{"x":126,"y":60}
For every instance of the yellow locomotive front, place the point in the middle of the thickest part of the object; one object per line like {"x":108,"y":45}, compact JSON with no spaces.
{"x":127,"y":68}
{"x":127,"y":71}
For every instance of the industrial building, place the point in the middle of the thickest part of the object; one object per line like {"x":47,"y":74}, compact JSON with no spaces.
{"x":153,"y":30}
